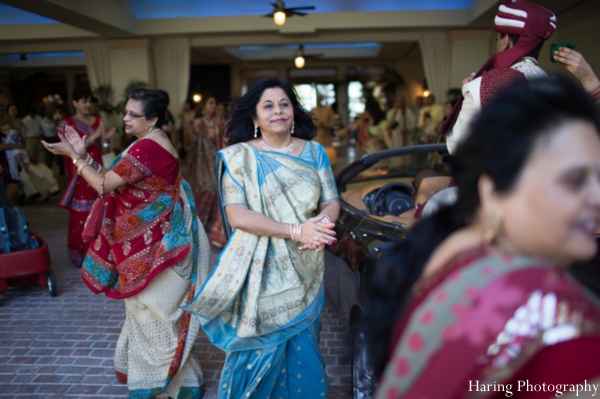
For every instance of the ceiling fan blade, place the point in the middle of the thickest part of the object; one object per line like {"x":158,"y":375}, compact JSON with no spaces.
{"x":300,"y":14}
{"x":301,"y":8}
{"x":269,"y":15}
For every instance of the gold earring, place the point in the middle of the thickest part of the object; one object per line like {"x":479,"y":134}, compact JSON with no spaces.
{"x":491,"y":233}
{"x":150,"y":129}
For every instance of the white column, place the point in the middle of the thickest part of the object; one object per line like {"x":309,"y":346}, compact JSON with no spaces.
{"x":172,"y":61}
{"x":435,"y":50}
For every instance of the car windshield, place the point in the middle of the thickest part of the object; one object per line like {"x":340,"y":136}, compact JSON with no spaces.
{"x":403,"y":166}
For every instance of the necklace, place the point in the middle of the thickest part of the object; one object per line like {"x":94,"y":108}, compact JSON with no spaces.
{"x":286,"y":150}
{"x":150,"y":133}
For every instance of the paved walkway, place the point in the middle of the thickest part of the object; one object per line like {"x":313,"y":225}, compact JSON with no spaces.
{"x":62,"y":347}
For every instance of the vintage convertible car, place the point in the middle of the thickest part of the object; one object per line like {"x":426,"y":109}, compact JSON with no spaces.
{"x":376,"y":212}
{"x":377,"y":209}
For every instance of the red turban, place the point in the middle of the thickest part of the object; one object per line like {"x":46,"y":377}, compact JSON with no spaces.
{"x":532,"y":22}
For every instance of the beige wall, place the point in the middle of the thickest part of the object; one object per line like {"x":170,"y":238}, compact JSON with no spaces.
{"x":414,"y":75}
{"x":470,"y":50}
{"x":129,"y":60}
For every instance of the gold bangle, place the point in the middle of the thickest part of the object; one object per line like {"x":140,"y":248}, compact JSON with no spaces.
{"x":80,"y":168}
{"x":102,"y":185}
{"x":76,"y":159}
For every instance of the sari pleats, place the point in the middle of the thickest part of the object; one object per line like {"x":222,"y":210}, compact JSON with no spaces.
{"x":292,"y":369}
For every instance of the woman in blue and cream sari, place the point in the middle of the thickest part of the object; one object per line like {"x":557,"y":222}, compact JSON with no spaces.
{"x":262,"y":303}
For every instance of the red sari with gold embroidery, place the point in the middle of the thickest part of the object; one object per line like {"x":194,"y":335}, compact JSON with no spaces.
{"x":79,"y":195}
{"x":151,"y":252}
{"x":142,"y":230}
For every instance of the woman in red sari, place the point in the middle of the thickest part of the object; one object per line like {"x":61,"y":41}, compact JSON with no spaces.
{"x":494,"y":312}
{"x":147,"y":248}
{"x":79,"y":196}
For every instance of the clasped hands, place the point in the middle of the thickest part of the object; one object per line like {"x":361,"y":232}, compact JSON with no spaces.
{"x":317,"y":232}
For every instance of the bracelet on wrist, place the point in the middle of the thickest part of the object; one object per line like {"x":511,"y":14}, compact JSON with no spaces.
{"x":102,"y":185}
{"x":80,"y":168}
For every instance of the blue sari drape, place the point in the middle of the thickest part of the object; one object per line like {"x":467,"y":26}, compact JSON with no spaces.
{"x":262,"y":303}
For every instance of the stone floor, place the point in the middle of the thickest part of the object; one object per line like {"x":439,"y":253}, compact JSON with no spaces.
{"x":62,"y":347}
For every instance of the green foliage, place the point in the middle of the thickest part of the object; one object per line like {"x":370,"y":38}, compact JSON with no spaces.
{"x":104,"y":92}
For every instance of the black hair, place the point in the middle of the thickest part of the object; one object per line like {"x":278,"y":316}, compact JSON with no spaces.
{"x":166,"y":94}
{"x":240,"y":125}
{"x":154,"y":103}
{"x":502,"y":137}
{"x":79,"y":94}
{"x":94,"y":100}
{"x":374,"y":110}
{"x":533,"y":53}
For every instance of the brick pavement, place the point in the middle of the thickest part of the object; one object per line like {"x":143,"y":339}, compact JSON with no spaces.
{"x":62,"y":347}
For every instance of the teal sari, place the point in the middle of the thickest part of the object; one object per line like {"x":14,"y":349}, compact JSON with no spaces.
{"x":262,"y":302}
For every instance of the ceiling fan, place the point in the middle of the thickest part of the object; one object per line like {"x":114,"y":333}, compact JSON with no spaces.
{"x":281,"y":12}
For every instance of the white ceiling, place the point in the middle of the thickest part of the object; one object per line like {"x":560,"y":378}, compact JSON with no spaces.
{"x":236,"y":31}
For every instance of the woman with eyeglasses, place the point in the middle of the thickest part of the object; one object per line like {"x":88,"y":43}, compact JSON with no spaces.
{"x":79,"y":196}
{"x":146,"y":247}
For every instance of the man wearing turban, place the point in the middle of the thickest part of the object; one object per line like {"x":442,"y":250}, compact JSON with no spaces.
{"x":521,"y":30}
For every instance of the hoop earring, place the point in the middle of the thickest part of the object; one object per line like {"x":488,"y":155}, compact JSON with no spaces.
{"x":492,"y":232}
{"x":293,"y":126}
{"x":256,"y":131}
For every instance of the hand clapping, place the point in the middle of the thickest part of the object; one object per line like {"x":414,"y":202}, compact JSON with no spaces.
{"x":71,"y":144}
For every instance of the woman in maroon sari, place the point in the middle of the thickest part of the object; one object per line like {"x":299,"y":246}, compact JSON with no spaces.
{"x":79,"y":196}
{"x":147,"y":248}
{"x":494,"y":312}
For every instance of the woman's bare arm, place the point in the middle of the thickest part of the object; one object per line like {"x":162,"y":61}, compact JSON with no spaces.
{"x":313,"y":232}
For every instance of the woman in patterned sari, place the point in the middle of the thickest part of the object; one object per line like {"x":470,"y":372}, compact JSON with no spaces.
{"x":79,"y":195}
{"x":201,"y":173}
{"x":262,"y":303}
{"x":494,"y":312}
{"x":148,"y":248}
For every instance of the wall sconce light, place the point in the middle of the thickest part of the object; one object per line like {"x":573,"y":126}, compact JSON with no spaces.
{"x":197,"y":98}
{"x":279,"y":18}
{"x":426,"y":93}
